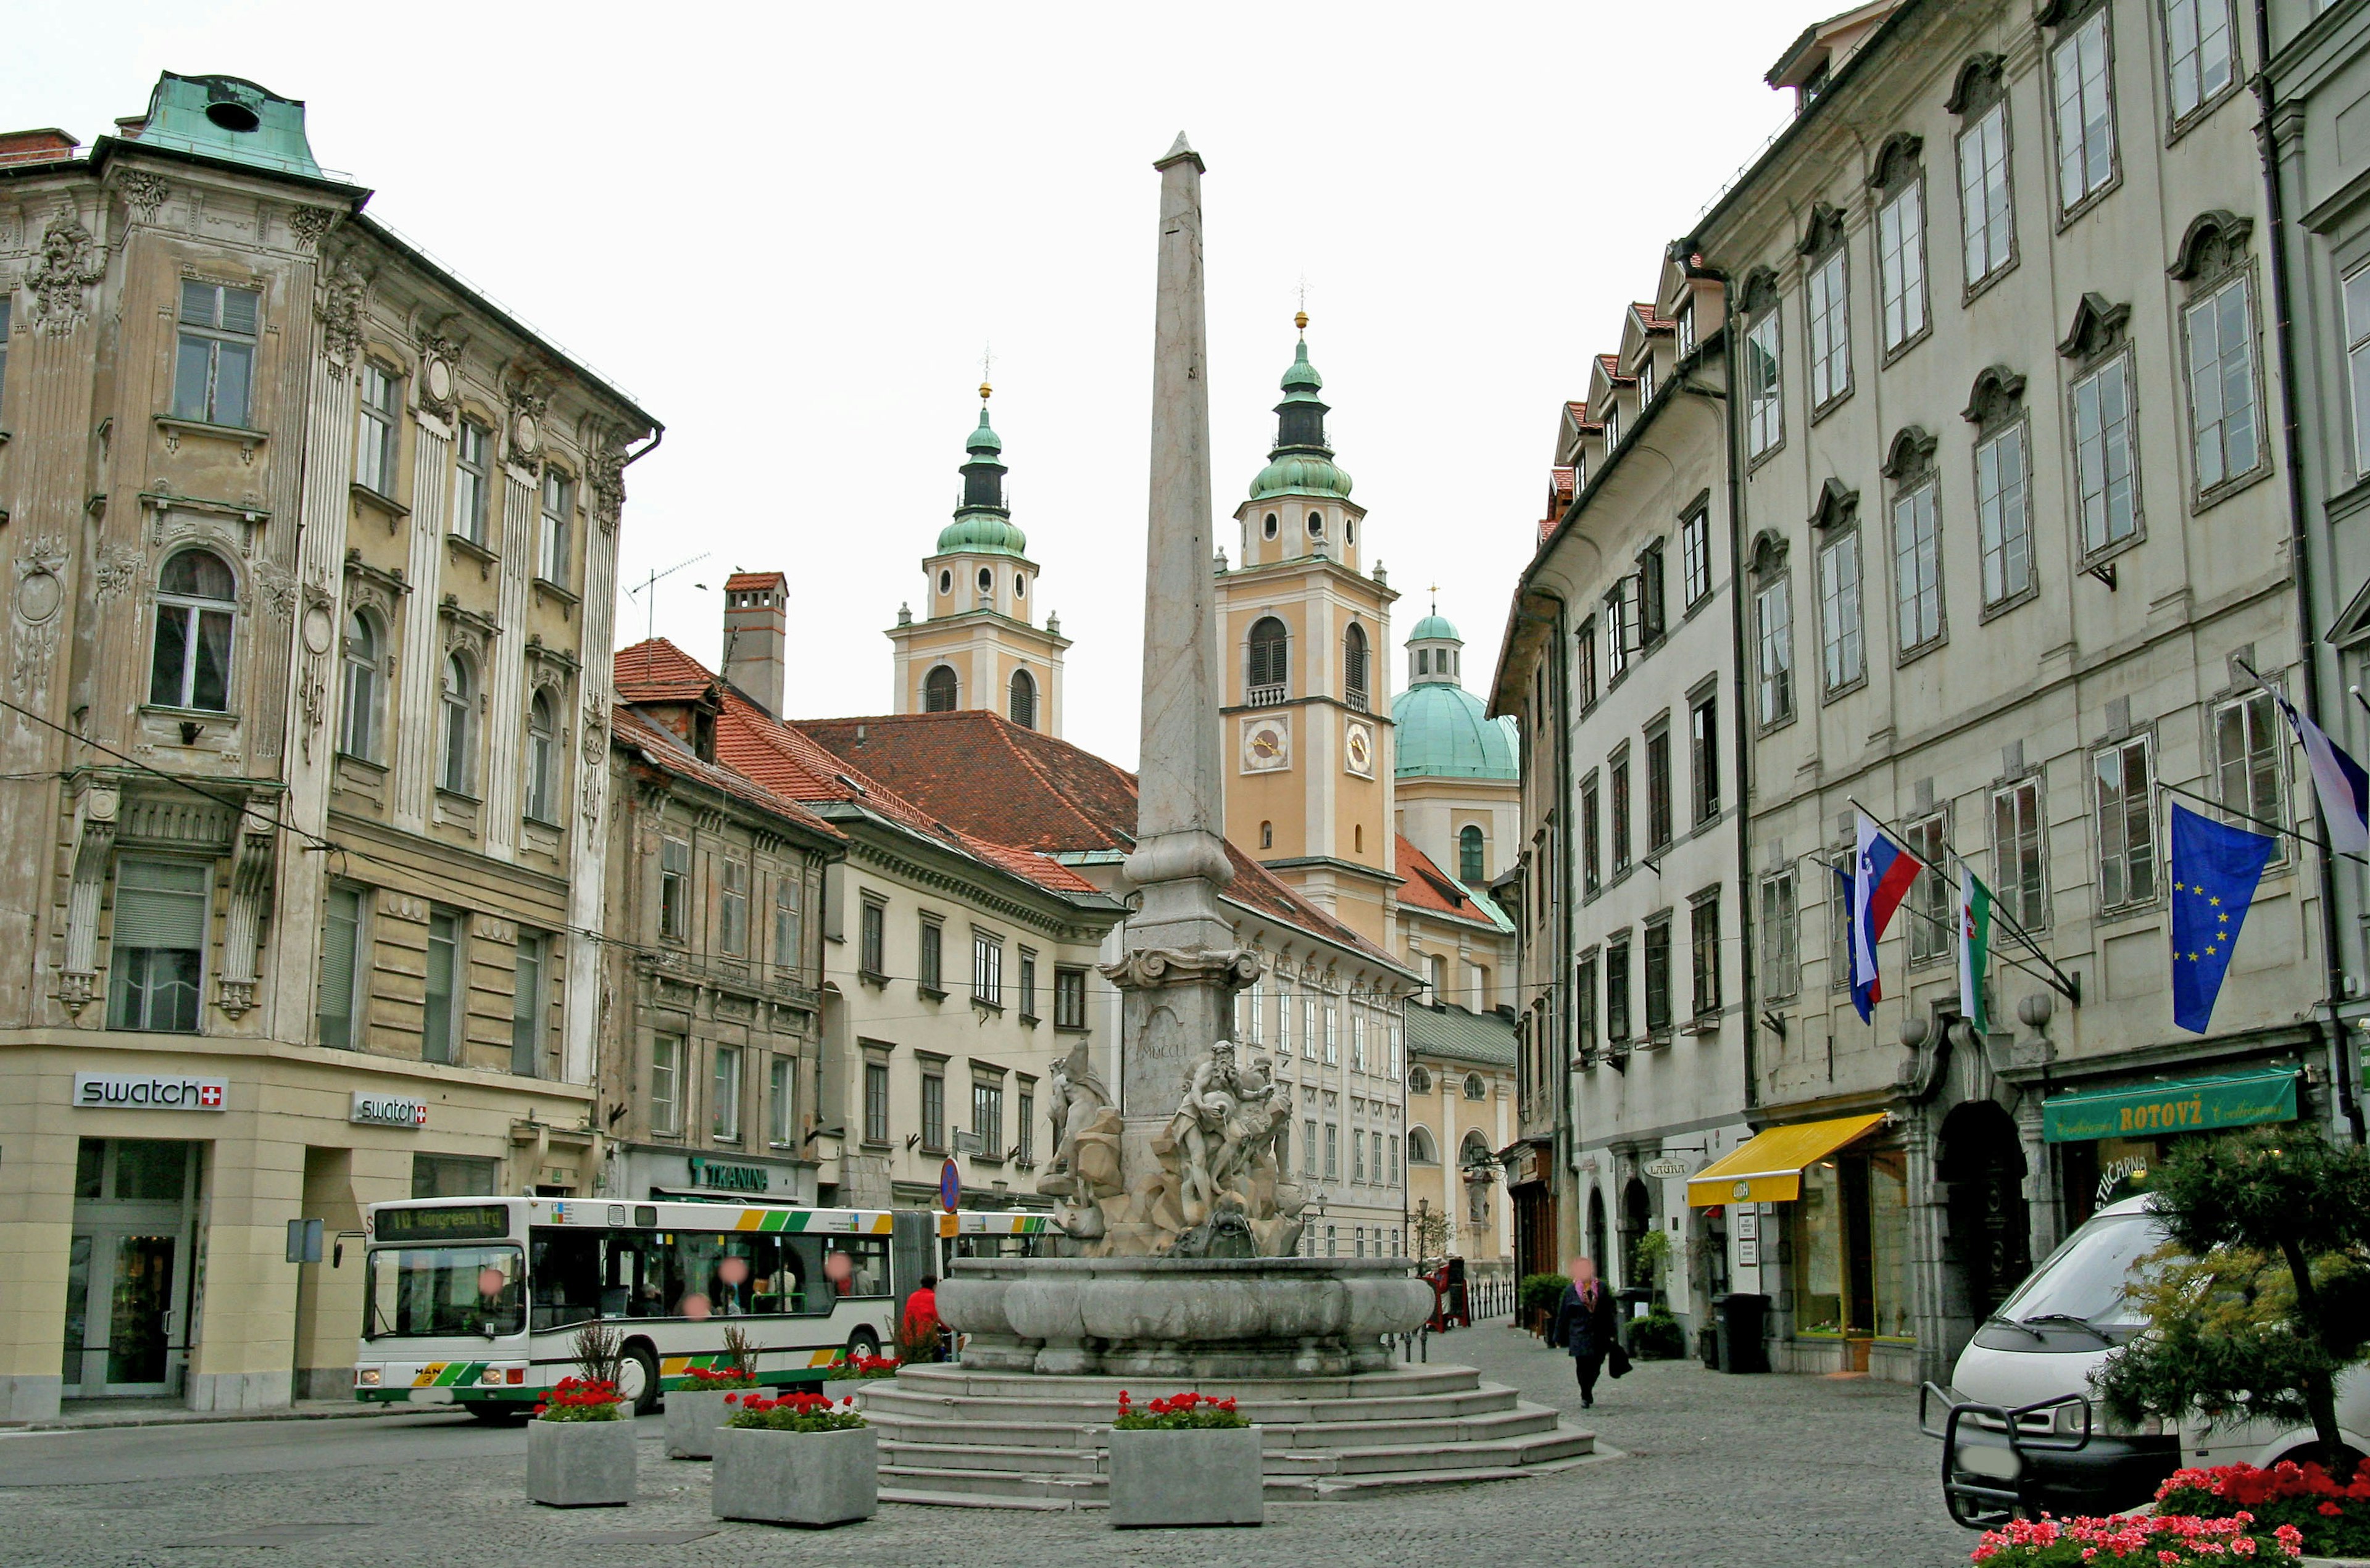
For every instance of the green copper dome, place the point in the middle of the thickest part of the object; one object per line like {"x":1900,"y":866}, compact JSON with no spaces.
{"x":1301,"y":474}
{"x":1300,"y":463}
{"x":1302,"y":373}
{"x":1434,"y":628}
{"x":981,"y":533}
{"x":982,"y":525}
{"x":984,"y":438}
{"x":1444,"y":732}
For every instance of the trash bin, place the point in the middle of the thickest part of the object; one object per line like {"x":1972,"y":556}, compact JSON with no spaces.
{"x":1636,"y":1302}
{"x":1707,"y":1347}
{"x":1738,"y":1317}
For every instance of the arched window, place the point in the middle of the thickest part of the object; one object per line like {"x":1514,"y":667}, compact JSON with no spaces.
{"x":460,"y":712}
{"x":542,"y":760}
{"x":1418,"y":1082}
{"x":358,"y":715}
{"x":938,"y":689}
{"x":1469,"y":869}
{"x":1267,"y":526}
{"x":1358,"y":838}
{"x":1317,"y":525}
{"x":1267,"y":835}
{"x":1420,"y":1147}
{"x":196,"y":613}
{"x":1349,"y":532}
{"x":1475,"y":1151}
{"x":1354,"y":665}
{"x":1020,"y":585}
{"x":1024,"y":699}
{"x":1474,"y":1088}
{"x":986,"y":580}
{"x":1271,"y":657}
{"x":946,"y":582}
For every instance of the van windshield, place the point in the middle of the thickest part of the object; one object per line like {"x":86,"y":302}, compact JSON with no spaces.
{"x":2087,"y":1277}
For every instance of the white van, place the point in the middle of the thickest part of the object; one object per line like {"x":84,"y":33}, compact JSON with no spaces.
{"x":2021,"y":1431}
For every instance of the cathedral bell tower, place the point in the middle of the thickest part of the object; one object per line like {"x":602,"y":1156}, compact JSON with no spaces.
{"x":1305,"y":725}
{"x":975,"y":645}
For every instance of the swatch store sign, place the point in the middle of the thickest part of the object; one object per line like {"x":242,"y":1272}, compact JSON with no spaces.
{"x":145,"y":1092}
{"x":388,"y":1110}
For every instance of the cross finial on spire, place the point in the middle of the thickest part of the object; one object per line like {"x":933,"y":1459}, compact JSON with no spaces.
{"x":1300,"y":318}
{"x":986,"y":365}
{"x":1435,"y":599}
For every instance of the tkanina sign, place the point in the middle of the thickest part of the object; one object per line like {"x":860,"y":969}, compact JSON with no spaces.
{"x":706,"y":1173}
{"x":388,"y":1110}
{"x":140,"y":1092}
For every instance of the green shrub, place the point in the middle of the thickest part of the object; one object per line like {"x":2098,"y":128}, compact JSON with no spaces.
{"x":1543,"y":1292}
{"x":1657,"y":1338}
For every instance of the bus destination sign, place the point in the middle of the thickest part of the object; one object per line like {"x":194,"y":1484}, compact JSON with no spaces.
{"x":474,"y":1222}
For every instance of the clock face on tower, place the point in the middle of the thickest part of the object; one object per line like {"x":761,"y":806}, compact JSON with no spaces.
{"x":1267,"y":744}
{"x":1358,"y":750}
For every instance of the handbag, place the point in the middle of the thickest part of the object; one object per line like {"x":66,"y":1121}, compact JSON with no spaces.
{"x":1617,"y":1360}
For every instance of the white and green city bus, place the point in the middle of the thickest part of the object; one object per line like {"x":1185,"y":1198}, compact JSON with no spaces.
{"x":478,"y":1301}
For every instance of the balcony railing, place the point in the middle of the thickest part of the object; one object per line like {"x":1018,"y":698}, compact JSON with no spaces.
{"x":1264,"y":696}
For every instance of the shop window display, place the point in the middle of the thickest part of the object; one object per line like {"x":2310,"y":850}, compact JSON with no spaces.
{"x":1851,"y":1246}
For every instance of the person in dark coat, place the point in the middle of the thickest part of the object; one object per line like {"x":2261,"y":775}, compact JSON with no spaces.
{"x":1587,"y":1327}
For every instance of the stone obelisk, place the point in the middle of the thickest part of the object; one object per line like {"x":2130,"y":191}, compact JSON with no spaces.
{"x":1182,"y":970}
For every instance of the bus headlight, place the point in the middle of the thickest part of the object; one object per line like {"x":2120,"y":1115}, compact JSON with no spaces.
{"x":366,"y":1377}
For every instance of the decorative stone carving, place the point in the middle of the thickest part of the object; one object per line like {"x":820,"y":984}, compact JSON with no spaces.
{"x":250,"y":893}
{"x":96,"y":810}
{"x":39,"y":593}
{"x":530,"y":401}
{"x":309,"y":224}
{"x":339,"y":311}
{"x":71,"y":262}
{"x":604,"y":476}
{"x":275,"y":588}
{"x":143,"y":192}
{"x":117,"y":573}
{"x":439,"y":375}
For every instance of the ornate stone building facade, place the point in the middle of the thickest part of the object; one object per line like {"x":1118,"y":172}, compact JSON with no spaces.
{"x":312,"y":564}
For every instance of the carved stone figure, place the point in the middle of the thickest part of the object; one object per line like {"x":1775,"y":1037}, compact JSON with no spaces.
{"x":71,"y":262}
{"x":1076,"y":1099}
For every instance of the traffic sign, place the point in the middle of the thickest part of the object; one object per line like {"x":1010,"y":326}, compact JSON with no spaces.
{"x":949,"y":1187}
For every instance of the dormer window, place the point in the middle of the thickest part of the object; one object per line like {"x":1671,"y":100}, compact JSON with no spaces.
{"x":1612,"y":427}
{"x":1645,"y":381}
{"x":1686,"y":329}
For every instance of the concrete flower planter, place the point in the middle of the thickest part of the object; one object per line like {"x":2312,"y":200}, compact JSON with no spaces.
{"x":1176,"y":1479}
{"x":580,"y":1464}
{"x":693,"y":1416}
{"x":815,"y":1479}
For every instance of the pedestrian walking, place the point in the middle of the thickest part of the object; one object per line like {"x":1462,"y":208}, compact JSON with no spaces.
{"x":924,"y":1336}
{"x":1588,"y":1328}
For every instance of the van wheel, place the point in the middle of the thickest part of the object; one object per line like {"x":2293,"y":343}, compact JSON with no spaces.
{"x":2348,"y":1459}
{"x":638,"y":1380}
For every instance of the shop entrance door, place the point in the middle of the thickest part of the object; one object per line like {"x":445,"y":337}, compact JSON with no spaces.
{"x":127,"y":1273}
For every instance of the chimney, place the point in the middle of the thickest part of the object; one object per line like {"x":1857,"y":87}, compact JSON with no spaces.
{"x":755,"y":630}
{"x":47,"y":145}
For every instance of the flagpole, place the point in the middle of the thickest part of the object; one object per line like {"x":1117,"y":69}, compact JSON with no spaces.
{"x":2267,"y":827}
{"x":2063,"y":984}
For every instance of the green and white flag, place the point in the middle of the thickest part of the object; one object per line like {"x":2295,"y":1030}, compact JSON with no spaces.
{"x":1975,"y":949}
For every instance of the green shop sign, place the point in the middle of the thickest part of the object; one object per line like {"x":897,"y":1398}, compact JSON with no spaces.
{"x":2195,"y":1105}
{"x":731,"y":1178}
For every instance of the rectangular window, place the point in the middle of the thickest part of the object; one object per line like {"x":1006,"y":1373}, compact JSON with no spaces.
{"x":1658,"y":977}
{"x":1695,"y":555}
{"x":1332,"y":1152}
{"x":876,"y":1102}
{"x":1616,"y":633}
{"x":790,"y":923}
{"x":1069,"y":999}
{"x":1774,"y":651}
{"x":1983,"y":204}
{"x":1592,"y":840}
{"x":1764,"y":409}
{"x":213,"y":373}
{"x":2086,"y":111}
{"x":2198,"y":53}
{"x":1917,"y":567}
{"x":374,"y":444}
{"x":558,"y":512}
{"x":1652,"y":617}
{"x":1617,"y":989}
{"x":1927,"y":910}
{"x":1703,"y":946}
{"x":1332,"y":1035}
{"x":1357,"y":1155}
{"x":1781,"y":938}
{"x":2247,"y":763}
{"x":1308,"y":1036}
{"x":345,"y":966}
{"x":2107,"y":490}
{"x":1620,"y":813}
{"x":1842,"y":651}
{"x":1025,"y":1128}
{"x":2126,"y":824}
{"x":161,"y":918}
{"x":724,"y":1094}
{"x":2357,"y":363}
{"x":1583,"y":663}
{"x":987,"y":969}
{"x":1829,"y":310}
{"x":1357,"y":1041}
{"x":4,"y":313}
{"x":1391,"y":1028}
{"x":1309,"y":1147}
{"x":781,"y":1112}
{"x":1838,"y":927}
{"x":666,"y":1083}
{"x":1645,"y":383}
{"x":2001,"y":515}
{"x":2018,"y":858}
{"x":1584,"y":1005}
{"x":1658,"y":791}
{"x":1901,"y":264}
{"x":473,"y":482}
{"x":1028,"y":988}
{"x":1686,"y":323}
{"x":1612,"y":426}
{"x":441,"y":1013}
{"x":529,"y":1005}
{"x":2225,"y":434}
{"x":674,"y":890}
{"x":1395,"y":1176}
{"x":732,"y":909}
{"x":1703,"y":748}
{"x":934,"y":1110}
{"x":930,"y":968}
{"x":872,"y":935}
{"x":987,"y":1118}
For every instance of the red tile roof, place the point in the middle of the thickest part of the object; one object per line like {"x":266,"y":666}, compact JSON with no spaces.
{"x":752,"y":741}
{"x":1432,"y":891}
{"x":755,"y":579}
{"x":662,"y":748}
{"x":1561,"y":479}
{"x":990,"y":777}
{"x":1647,"y":318}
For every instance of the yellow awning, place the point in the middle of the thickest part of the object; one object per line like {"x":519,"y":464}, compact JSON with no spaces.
{"x":1768,"y":1169}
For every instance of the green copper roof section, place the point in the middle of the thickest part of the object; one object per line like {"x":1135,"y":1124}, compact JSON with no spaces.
{"x":1301,"y":382}
{"x":229,"y":117}
{"x":1450,"y":1032}
{"x":1434,"y":628}
{"x":1300,"y":463}
{"x":983,"y":526}
{"x":1444,"y":731}
{"x":981,"y":533}
{"x":1299,"y":473}
{"x":985,"y":440}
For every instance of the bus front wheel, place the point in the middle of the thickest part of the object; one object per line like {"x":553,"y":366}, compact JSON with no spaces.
{"x":638,"y":1380}
{"x":863,"y":1342}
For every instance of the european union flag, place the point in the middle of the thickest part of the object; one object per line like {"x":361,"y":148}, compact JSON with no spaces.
{"x":2215,"y":870}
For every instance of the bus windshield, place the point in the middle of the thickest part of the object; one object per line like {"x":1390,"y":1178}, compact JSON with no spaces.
{"x":420,"y":1292}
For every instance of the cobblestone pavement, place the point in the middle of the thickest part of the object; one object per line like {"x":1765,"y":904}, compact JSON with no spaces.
{"x":1716,"y":1472}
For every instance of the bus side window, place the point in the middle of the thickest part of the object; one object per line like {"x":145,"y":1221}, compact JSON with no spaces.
{"x":866,"y":1271}
{"x":565,"y":1280}
{"x":802,"y":1257}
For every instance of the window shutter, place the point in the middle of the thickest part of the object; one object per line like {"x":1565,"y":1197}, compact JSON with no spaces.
{"x":198,"y":303}
{"x":161,"y":904}
{"x":240,"y":309}
{"x":339,"y":936}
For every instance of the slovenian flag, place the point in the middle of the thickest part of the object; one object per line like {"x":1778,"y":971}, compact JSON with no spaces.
{"x":2338,"y":779}
{"x":1975,"y":949}
{"x":1882,"y":873}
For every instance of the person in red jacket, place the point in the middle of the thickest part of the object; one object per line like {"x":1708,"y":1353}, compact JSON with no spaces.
{"x":922,"y":1326}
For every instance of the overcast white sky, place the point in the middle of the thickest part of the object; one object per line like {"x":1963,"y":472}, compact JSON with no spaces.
{"x":789,"y":231}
